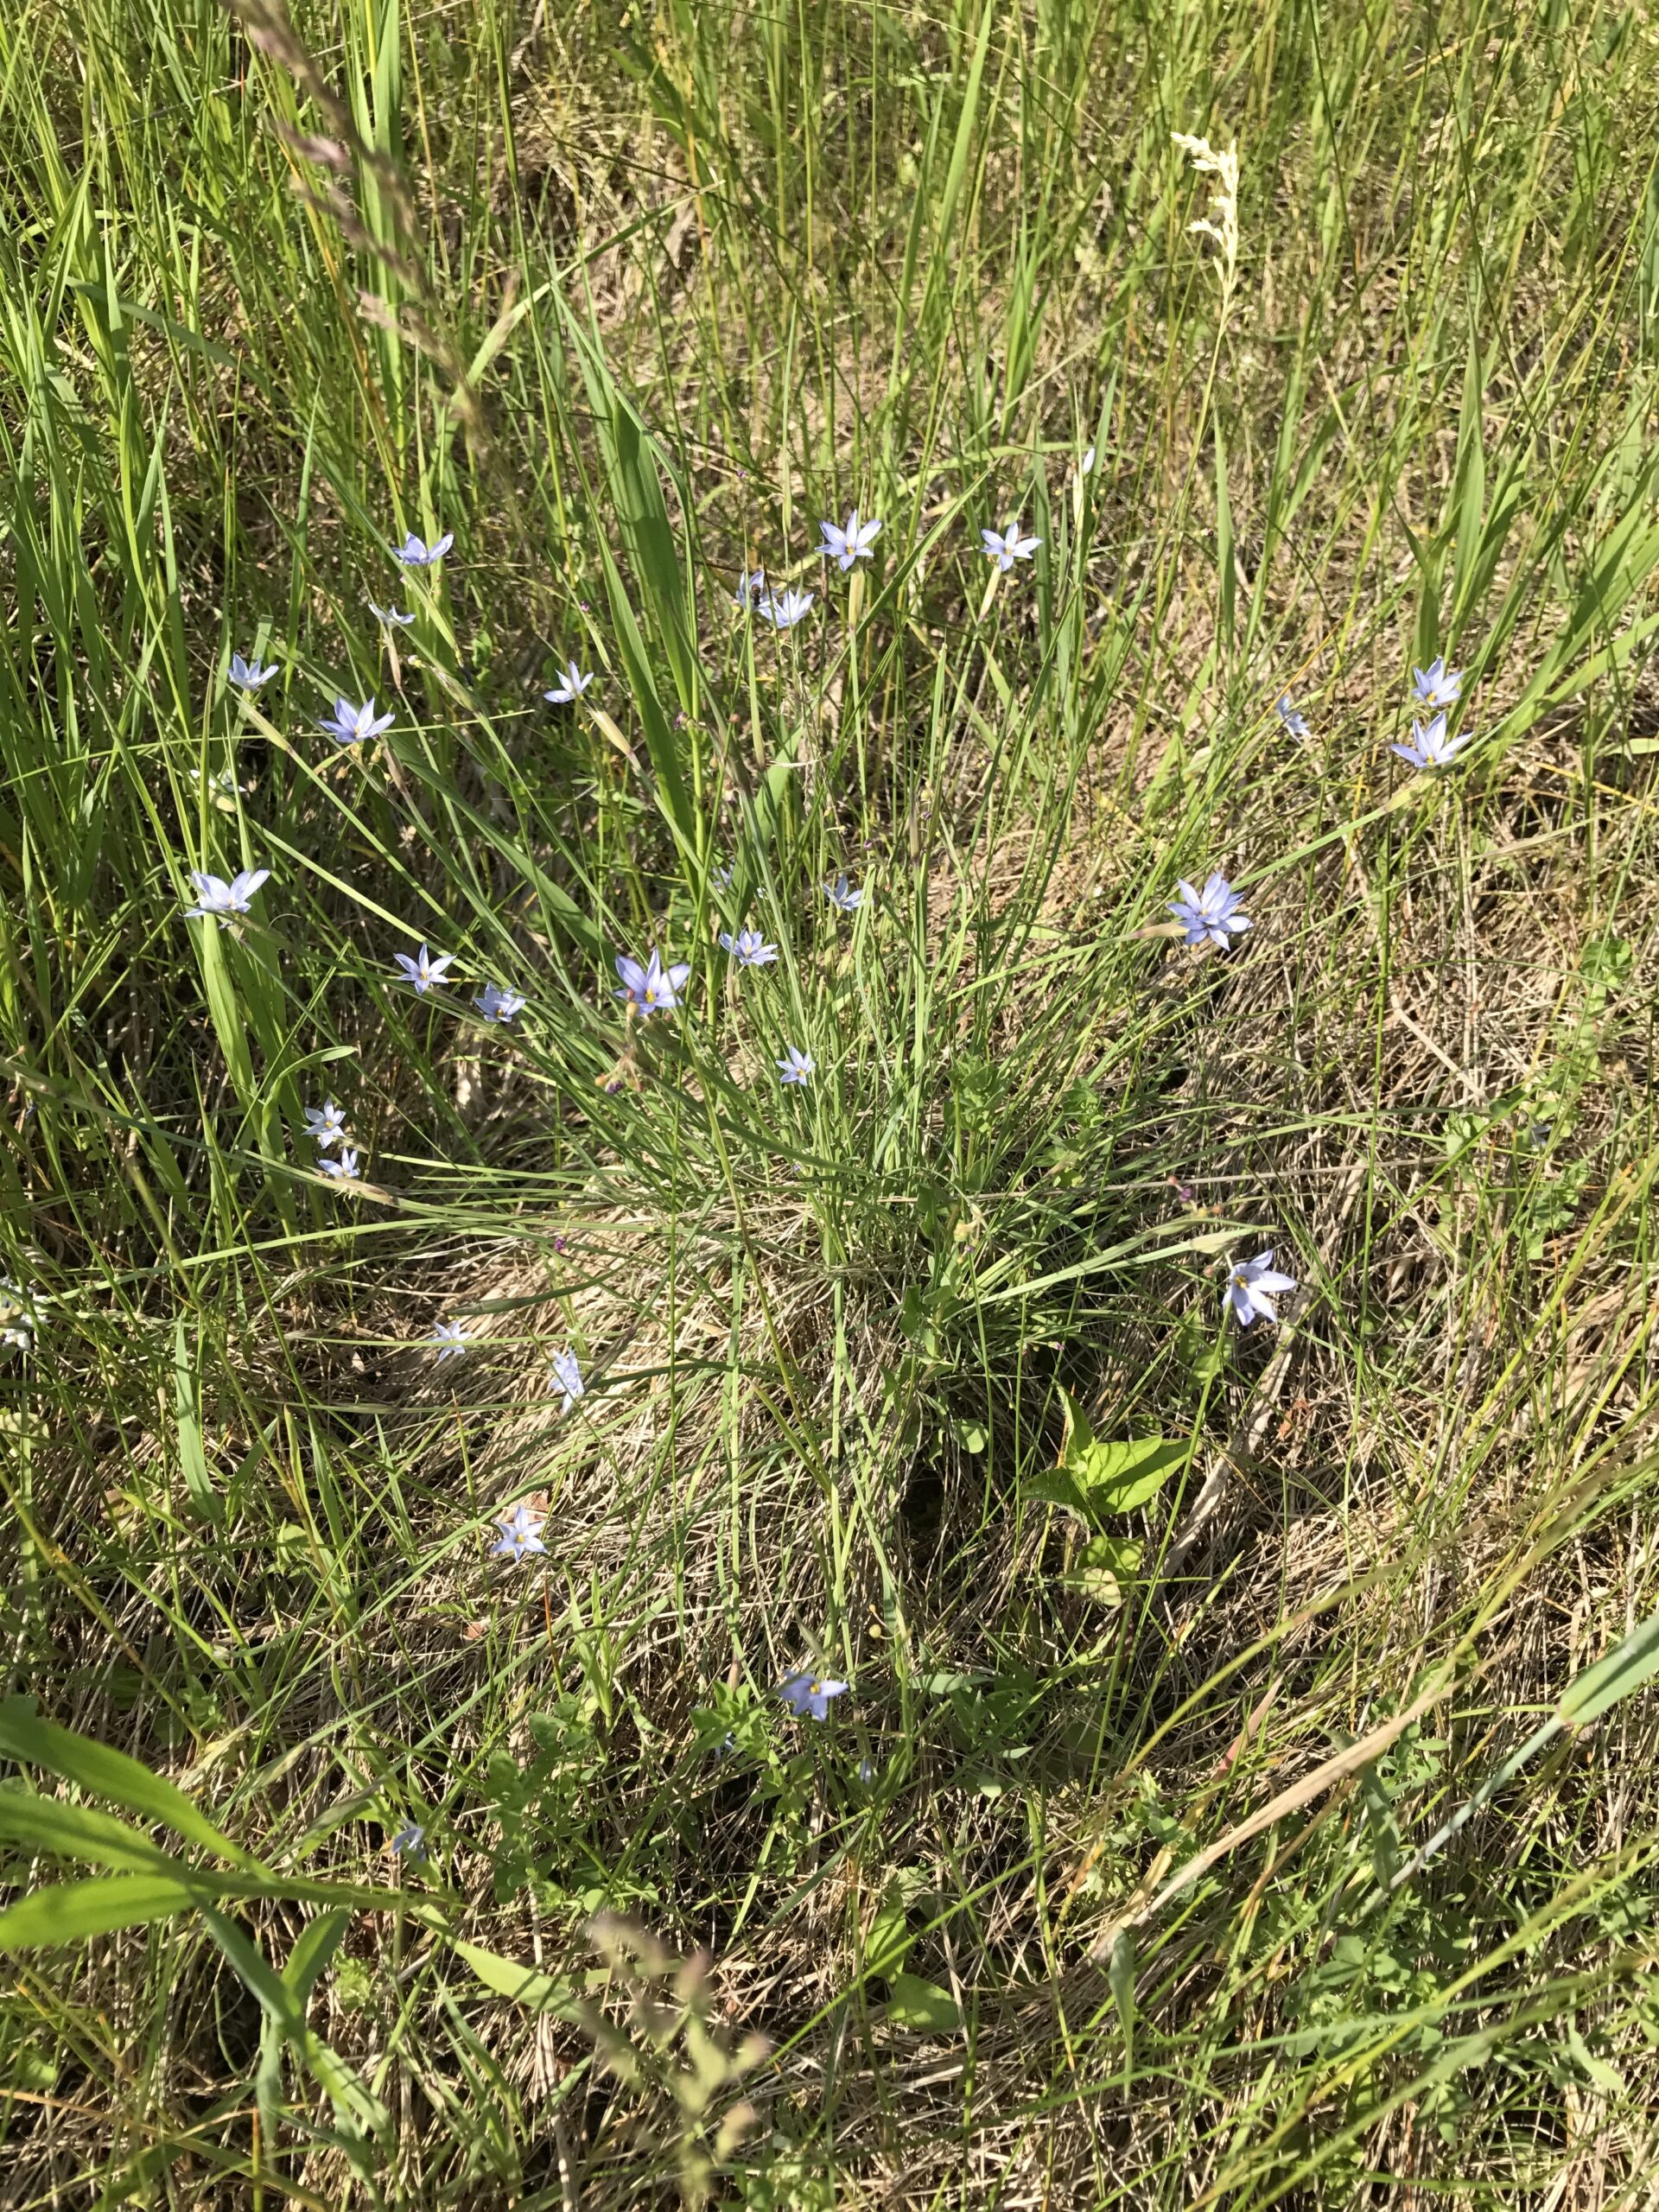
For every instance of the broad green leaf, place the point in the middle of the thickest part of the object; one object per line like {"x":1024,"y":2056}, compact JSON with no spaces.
{"x":542,"y":1992}
{"x":1104,"y":1565}
{"x":103,"y":1772}
{"x":1625,"y":1669}
{"x":1116,"y":1478}
{"x":888,"y":1941}
{"x":917,"y":2004}
{"x":68,"y":1912}
{"x":38,"y":1823}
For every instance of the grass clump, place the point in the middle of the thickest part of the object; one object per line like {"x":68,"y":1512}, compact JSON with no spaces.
{"x":1240,"y":1788}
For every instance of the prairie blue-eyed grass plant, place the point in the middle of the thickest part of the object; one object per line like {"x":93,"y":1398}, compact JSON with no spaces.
{"x":1430,"y":746}
{"x":1247,"y":1797}
{"x":845,"y":546}
{"x":349,"y":725}
{"x":571,"y":685}
{"x":416,"y":553}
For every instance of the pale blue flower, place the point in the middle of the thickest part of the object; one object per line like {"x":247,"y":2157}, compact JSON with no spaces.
{"x":450,"y":1340}
{"x":521,"y":1534}
{"x":721,"y":875}
{"x":855,"y":543}
{"x":1431,"y":746}
{"x":749,"y":589}
{"x":841,"y":896}
{"x":566,"y":1378}
{"x":393,"y":617}
{"x":349,"y":725}
{"x":1005,"y":550}
{"x":424,"y":970}
{"x":784,"y":614}
{"x":651,"y":989}
{"x":796,"y":1065}
{"x":409,"y":1842}
{"x":215,"y":896}
{"x":326,"y":1122}
{"x":748,"y":947}
{"x":809,"y":1695}
{"x":1252,"y":1288}
{"x":571,"y":686}
{"x":1437,"y":685}
{"x":343,"y":1170}
{"x":867,"y":1764}
{"x":19,"y":1319}
{"x":497,"y":1004}
{"x":1294,"y":720}
{"x":250,"y":675}
{"x":415,"y":553}
{"x":1212,"y":916}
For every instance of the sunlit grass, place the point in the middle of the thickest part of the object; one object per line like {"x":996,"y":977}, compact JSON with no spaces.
{"x":1219,"y":1810}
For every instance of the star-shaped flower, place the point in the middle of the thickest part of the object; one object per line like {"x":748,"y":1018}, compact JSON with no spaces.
{"x":796,"y":1066}
{"x":748,"y":947}
{"x":750,"y":587}
{"x":409,"y":1842}
{"x":1294,"y":720}
{"x":449,"y":1339}
{"x":215,"y":896}
{"x":721,"y":875}
{"x":326,"y":1122}
{"x":855,"y":543}
{"x":1212,"y":916}
{"x":343,"y":1170}
{"x":250,"y":675}
{"x":497,"y":1004}
{"x":567,"y":1376}
{"x":571,"y":685}
{"x":784,"y":613}
{"x":1437,"y":685}
{"x":1431,"y":748}
{"x":415,"y":553}
{"x":393,"y":617}
{"x":1005,"y":550}
{"x":843,"y":896}
{"x":1252,"y":1288}
{"x":521,"y":1534}
{"x":653,"y":988}
{"x":808,"y":1695}
{"x":424,"y":970}
{"x":349,"y":725}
